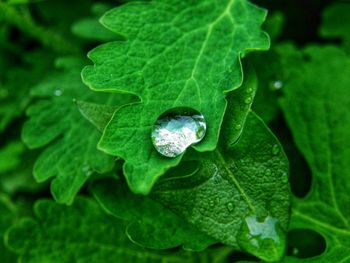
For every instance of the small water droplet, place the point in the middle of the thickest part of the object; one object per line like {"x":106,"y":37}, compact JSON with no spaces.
{"x":58,"y":92}
{"x":238,"y":126}
{"x":278,"y":84}
{"x":295,"y":251}
{"x":248,"y":100}
{"x":275,"y":149}
{"x":249,"y":90}
{"x":87,"y":170}
{"x":230,"y":207}
{"x":175,"y":132}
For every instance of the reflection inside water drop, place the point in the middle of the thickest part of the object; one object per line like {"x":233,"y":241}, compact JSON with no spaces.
{"x":175,"y":132}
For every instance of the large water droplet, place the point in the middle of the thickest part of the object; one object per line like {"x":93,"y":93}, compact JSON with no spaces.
{"x":261,"y":237}
{"x":173,"y":133}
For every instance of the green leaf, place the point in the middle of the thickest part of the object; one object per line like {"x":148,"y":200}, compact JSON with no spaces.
{"x":98,"y":114}
{"x":151,"y":225}
{"x":187,"y":54}
{"x":219,"y":195}
{"x":16,"y":165}
{"x":268,"y":69}
{"x":274,"y":24}
{"x":316,"y":105}
{"x":10,"y":156}
{"x":232,"y":187}
{"x":7,"y":217}
{"x":14,"y":90}
{"x":83,"y":233}
{"x":89,"y":28}
{"x":71,"y":156}
{"x":336,"y":22}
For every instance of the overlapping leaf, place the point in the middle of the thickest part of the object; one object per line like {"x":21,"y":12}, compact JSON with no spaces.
{"x":16,"y":169}
{"x":268,"y":70}
{"x":83,"y":233}
{"x":177,"y":54}
{"x":7,"y":217}
{"x":14,"y":91}
{"x":316,"y":105}
{"x":71,"y":157}
{"x":89,"y":28}
{"x":237,"y":181}
{"x":150,"y":224}
{"x":336,"y":23}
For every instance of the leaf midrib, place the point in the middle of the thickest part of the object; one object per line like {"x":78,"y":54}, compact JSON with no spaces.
{"x":329,"y":228}
{"x":223,"y":163}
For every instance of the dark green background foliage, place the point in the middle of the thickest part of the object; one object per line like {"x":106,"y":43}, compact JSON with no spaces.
{"x":81,"y":85}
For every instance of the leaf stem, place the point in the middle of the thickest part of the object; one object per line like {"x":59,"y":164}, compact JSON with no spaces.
{"x":25,"y":24}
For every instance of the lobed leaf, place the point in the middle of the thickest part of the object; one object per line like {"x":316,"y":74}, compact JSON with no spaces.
{"x":83,"y":233}
{"x":16,"y":169}
{"x":71,"y":156}
{"x":177,"y":54}
{"x":316,"y":105}
{"x":246,"y":176}
{"x":6,"y":219}
{"x":335,"y":22}
{"x":150,"y":224}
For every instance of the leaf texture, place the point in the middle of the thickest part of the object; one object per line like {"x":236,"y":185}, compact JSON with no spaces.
{"x":71,"y":156}
{"x":83,"y":233}
{"x":187,"y":54}
{"x":316,"y":105}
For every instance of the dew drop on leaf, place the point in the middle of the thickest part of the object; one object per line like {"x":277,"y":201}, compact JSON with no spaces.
{"x":295,"y":251}
{"x":249,"y":90}
{"x":277,"y":84}
{"x":275,"y":149}
{"x":175,"y":131}
{"x":238,"y":127}
{"x":230,"y":207}
{"x":248,"y":100}
{"x":58,"y":92}
{"x":87,"y":170}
